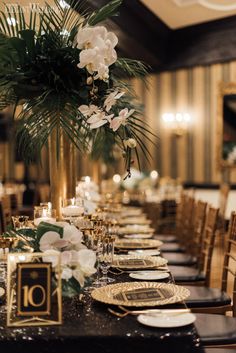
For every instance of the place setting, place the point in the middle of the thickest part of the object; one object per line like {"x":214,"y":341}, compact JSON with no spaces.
{"x":135,"y":229}
{"x":148,"y":252}
{"x":129,"y":296}
{"x":137,"y":243}
{"x":138,"y":236}
{"x":166,"y":318}
{"x":153,"y":275}
{"x":135,"y":221}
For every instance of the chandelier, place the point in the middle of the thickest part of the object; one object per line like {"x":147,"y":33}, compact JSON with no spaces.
{"x":177,"y":123}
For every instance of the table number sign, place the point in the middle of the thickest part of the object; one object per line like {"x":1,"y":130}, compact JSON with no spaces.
{"x":34,"y":283}
{"x":33,"y":290}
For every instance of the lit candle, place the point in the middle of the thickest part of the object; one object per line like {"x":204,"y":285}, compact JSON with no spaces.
{"x":45,"y":217}
{"x":72,"y":210}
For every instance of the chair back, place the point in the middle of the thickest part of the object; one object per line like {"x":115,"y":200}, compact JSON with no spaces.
{"x":208,"y":241}
{"x":230,"y":260}
{"x":199,"y":219}
{"x":185,"y":221}
{"x":223,"y":198}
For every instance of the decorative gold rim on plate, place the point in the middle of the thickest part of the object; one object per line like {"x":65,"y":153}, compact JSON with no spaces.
{"x":110,"y":294}
{"x":136,"y":228}
{"x":138,"y":261}
{"x":134,"y":221}
{"x":137,"y":243}
{"x":138,"y":236}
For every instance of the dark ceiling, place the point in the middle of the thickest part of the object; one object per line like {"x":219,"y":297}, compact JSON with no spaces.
{"x":143,"y":36}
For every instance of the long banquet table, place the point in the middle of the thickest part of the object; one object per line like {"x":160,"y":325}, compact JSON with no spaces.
{"x":88,"y":327}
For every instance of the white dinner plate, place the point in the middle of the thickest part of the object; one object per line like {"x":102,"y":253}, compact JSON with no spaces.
{"x":149,"y":275}
{"x":148,"y":252}
{"x":167,"y":320}
{"x":138,"y":236}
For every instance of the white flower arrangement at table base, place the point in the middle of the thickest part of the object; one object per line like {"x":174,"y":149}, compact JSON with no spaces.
{"x":77,"y":262}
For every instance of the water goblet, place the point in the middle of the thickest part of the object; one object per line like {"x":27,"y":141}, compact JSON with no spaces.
{"x":106,"y":259}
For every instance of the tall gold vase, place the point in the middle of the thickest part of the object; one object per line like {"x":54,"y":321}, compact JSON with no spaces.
{"x":62,"y":170}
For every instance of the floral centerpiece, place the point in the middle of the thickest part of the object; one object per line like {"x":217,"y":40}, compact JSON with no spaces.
{"x":62,"y":68}
{"x":77,"y":262}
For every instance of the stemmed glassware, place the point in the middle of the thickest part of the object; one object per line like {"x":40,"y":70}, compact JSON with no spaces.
{"x":20,"y":222}
{"x":106,"y":258}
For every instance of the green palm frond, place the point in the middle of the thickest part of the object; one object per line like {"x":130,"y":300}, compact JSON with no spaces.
{"x":39,"y":118}
{"x":111,"y":9}
{"x":104,"y":145}
{"x":39,"y":68}
{"x":133,"y":68}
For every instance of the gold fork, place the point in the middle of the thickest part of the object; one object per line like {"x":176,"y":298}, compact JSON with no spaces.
{"x":135,"y":312}
{"x":151,"y":312}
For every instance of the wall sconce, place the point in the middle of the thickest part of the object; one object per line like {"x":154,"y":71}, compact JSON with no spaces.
{"x":178,"y":123}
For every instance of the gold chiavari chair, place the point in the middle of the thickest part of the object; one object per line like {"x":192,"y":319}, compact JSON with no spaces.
{"x":222,"y":223}
{"x":184,"y":229}
{"x":219,"y":330}
{"x":195,"y":274}
{"x":180,"y":224}
{"x":214,"y":300}
{"x":173,"y":238}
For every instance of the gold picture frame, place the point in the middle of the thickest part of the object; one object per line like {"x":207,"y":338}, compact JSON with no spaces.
{"x":34,"y":294}
{"x":225,"y":89}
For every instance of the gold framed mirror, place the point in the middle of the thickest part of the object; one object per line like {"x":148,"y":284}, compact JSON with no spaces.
{"x":226,"y":125}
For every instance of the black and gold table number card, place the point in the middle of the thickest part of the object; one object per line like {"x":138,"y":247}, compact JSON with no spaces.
{"x":33,"y":291}
{"x":34,"y":283}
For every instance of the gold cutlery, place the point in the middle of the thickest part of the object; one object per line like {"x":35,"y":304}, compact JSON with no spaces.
{"x":150,"y":312}
{"x":117,"y":271}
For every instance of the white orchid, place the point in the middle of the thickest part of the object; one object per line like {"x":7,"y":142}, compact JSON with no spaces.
{"x":72,"y":238}
{"x":78,"y":264}
{"x":121,"y":119}
{"x":98,"y":51}
{"x":76,"y":260}
{"x":88,"y":110}
{"x":102,"y":72}
{"x":51,"y":256}
{"x":90,"y":59}
{"x":131,"y":143}
{"x":111,"y":99}
{"x":99,"y":119}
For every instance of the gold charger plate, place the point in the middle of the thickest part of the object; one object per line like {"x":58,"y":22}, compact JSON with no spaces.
{"x":136,"y":228}
{"x":134,"y":221}
{"x":140,"y":294}
{"x":137,"y":261}
{"x":137,"y":243}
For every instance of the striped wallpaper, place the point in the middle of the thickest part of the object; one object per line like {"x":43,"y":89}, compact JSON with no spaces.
{"x":191,"y":157}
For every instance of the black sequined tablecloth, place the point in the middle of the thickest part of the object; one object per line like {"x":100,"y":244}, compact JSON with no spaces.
{"x":89,"y":328}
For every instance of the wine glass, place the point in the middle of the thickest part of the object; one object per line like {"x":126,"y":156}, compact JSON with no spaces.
{"x":20,"y":222}
{"x":106,"y":259}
